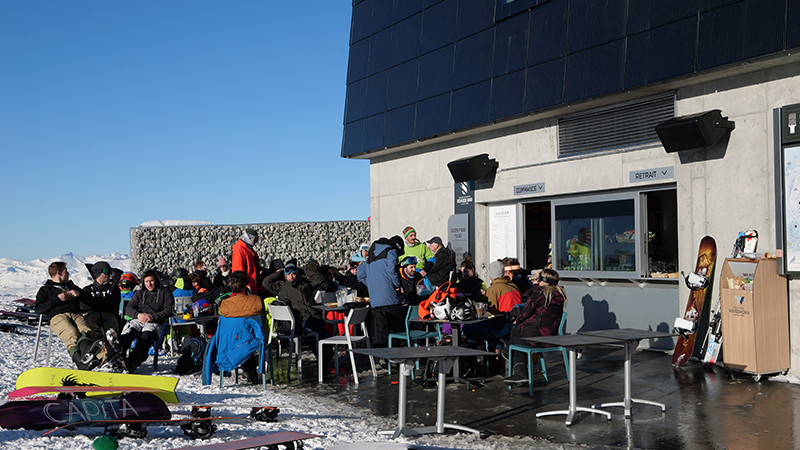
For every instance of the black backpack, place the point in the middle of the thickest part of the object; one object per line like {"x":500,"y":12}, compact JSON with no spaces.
{"x":191,"y":359}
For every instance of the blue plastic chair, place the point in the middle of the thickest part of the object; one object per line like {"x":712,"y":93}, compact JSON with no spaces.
{"x":530,"y":351}
{"x":236,"y":338}
{"x":412,"y":337}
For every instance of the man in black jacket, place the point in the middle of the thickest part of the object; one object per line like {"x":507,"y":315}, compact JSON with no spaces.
{"x":150,"y":308}
{"x":101,"y":310}
{"x":409,"y":277}
{"x":438,"y":268}
{"x":59,"y":299}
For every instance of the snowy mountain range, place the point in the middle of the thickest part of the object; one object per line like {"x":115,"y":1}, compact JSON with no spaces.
{"x":20,"y":279}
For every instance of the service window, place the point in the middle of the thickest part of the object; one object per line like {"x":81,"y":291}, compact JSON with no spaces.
{"x":597,"y":236}
{"x":624,"y":235}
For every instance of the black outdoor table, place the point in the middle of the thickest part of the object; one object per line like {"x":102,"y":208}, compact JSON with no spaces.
{"x":325,"y":309}
{"x":456,"y":324}
{"x":631,"y":338}
{"x":407,"y":356}
{"x":571,"y":342}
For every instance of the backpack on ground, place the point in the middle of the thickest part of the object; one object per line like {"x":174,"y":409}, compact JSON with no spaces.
{"x":191,"y":359}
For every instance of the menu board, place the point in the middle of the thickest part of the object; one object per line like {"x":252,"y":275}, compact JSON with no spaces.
{"x":502,"y":232}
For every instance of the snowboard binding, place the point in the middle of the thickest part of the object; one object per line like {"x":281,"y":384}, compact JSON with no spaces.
{"x":199,"y":430}
{"x":265,"y":414}
{"x":695,"y":281}
{"x":122,"y":430}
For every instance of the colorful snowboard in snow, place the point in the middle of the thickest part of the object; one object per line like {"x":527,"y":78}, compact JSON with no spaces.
{"x":701,"y":285}
{"x":50,"y":376}
{"x":286,"y":439}
{"x":53,"y":413}
{"x":76,"y":391}
{"x":199,"y":425}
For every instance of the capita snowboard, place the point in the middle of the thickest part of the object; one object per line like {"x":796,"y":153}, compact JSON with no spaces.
{"x":194,"y":427}
{"x":286,"y":439}
{"x":51,"y":376}
{"x":700,"y":281}
{"x":53,"y":413}
{"x":199,"y":425}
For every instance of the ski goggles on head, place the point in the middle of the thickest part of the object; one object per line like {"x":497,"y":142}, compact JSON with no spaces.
{"x":291,"y":269}
{"x":409,"y":261}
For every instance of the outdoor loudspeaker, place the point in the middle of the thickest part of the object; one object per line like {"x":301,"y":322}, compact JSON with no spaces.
{"x":693,"y":131}
{"x":472,"y":168}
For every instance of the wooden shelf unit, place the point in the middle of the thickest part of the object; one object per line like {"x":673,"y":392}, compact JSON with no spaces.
{"x":755,"y":324}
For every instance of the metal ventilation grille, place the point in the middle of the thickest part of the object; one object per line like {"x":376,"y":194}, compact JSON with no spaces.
{"x":624,"y":126}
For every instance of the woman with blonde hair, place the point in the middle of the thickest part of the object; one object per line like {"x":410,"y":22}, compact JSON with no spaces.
{"x":540,"y":316}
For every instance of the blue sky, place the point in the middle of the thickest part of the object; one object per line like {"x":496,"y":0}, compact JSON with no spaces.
{"x":117,"y":113}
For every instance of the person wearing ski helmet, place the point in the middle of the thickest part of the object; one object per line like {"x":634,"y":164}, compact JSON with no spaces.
{"x":409,"y":277}
{"x":127,"y":283}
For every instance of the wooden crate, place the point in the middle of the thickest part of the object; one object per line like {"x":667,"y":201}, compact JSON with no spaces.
{"x":755,"y":324}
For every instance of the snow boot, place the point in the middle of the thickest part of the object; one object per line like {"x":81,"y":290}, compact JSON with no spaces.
{"x":87,"y":352}
{"x":90,"y":357}
{"x":116,"y":356}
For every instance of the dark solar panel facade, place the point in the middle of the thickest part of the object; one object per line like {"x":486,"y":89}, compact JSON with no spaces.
{"x":419,"y":68}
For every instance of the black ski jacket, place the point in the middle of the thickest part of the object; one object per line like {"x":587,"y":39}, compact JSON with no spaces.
{"x":48,"y":303}
{"x":159,"y":302}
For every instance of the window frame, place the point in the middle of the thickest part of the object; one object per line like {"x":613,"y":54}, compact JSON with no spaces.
{"x":640,"y":249}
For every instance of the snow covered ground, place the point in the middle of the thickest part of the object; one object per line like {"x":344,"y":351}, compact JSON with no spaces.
{"x":339,"y":422}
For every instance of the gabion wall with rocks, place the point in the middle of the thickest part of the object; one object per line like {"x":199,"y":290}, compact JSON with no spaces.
{"x":169,"y":247}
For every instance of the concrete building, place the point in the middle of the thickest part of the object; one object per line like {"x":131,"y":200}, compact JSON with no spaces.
{"x":564,"y":96}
